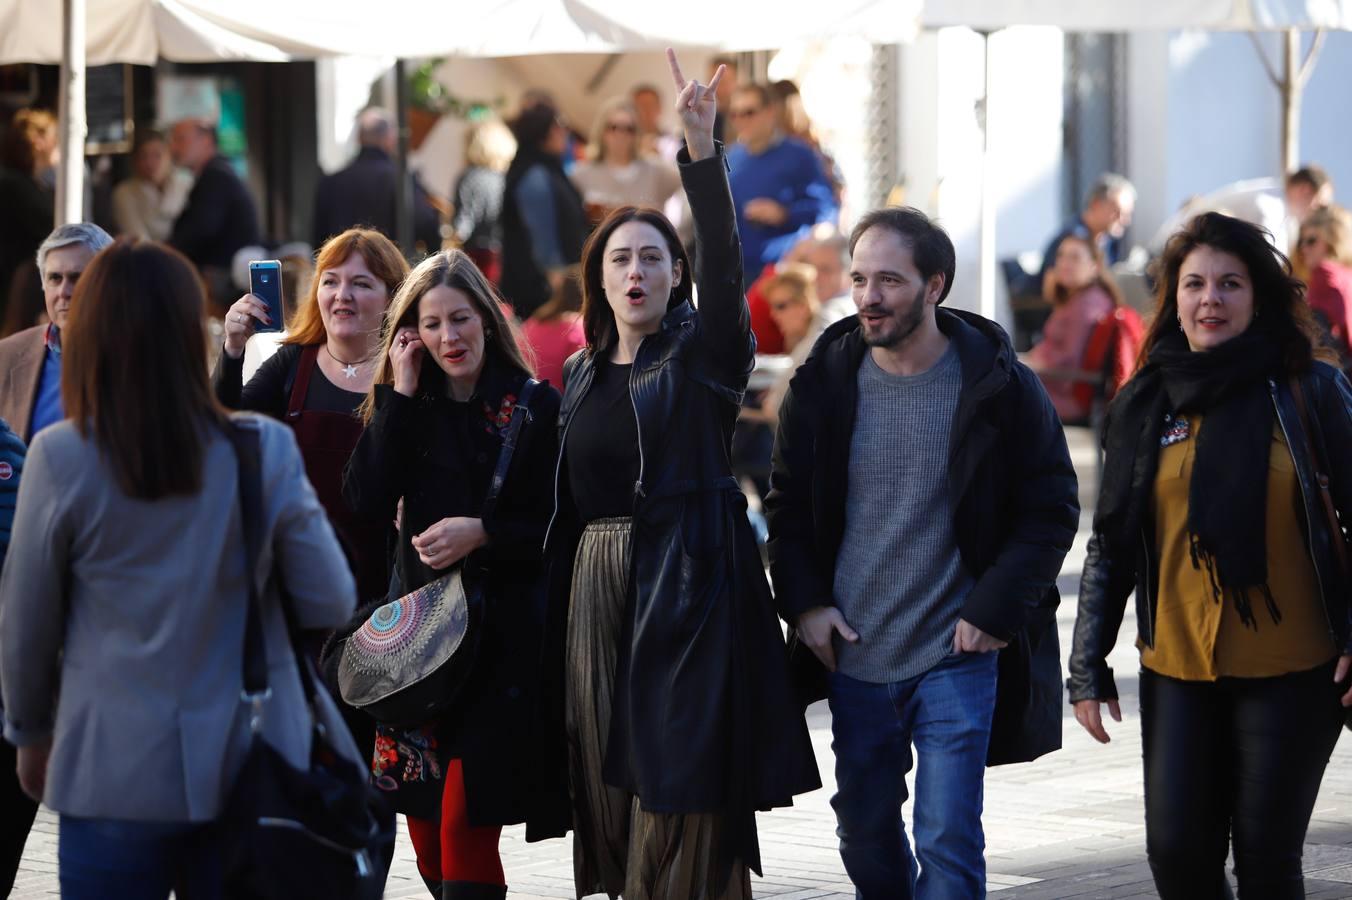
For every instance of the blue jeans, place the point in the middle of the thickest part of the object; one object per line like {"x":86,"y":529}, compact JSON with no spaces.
{"x":946,"y":713}
{"x":138,"y":860}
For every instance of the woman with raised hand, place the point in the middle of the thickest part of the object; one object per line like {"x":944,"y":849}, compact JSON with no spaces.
{"x":320,"y":377}
{"x":680,"y":718}
{"x":450,"y":380}
{"x":1210,"y":509}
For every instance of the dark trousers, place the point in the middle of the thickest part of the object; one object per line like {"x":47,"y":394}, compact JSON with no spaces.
{"x":1238,"y":759}
{"x":16,"y":818}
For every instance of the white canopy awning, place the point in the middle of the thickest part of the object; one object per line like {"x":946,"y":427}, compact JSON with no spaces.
{"x":1127,"y":15}
{"x":141,"y":31}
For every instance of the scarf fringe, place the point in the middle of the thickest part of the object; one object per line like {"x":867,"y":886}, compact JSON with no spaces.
{"x":1204,"y":561}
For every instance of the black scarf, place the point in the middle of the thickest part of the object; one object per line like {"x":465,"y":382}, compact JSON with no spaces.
{"x":1227,"y":494}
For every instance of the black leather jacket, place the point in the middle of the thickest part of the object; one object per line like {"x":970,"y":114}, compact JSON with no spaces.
{"x":1109,"y":577}
{"x":704,"y":717}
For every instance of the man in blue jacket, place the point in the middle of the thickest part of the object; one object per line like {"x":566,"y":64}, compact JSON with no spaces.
{"x":921,"y":502}
{"x":16,"y":809}
{"x":779,"y":187}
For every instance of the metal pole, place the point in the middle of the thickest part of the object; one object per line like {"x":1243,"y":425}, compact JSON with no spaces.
{"x":986,"y":272}
{"x":403,"y":201}
{"x":71,"y":114}
{"x":1290,"y":91}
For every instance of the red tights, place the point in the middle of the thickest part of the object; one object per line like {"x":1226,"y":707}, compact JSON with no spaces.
{"x":452,"y":849}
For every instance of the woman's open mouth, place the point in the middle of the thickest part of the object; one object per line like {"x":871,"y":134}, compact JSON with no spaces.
{"x":636,"y":296}
{"x":455,"y":356}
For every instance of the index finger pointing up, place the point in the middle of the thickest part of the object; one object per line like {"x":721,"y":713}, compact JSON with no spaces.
{"x":676,"y":75}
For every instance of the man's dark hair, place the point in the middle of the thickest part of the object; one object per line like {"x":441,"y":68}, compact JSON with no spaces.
{"x":931,"y":248}
{"x":147,"y":136}
{"x":532,"y":125}
{"x":1311,"y":175}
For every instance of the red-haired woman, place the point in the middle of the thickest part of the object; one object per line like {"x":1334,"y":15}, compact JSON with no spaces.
{"x":680,"y":718}
{"x":319,"y":378}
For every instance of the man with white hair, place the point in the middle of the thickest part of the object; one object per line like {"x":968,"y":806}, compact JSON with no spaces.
{"x":30,"y":361}
{"x":364,"y":193}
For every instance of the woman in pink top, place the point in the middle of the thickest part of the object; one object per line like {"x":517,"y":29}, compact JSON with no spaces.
{"x":554,"y":331}
{"x":1082,"y":294}
{"x":1326,"y":249}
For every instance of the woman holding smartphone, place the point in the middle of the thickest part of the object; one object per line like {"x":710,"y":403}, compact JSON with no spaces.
{"x":321,"y":375}
{"x":450,"y":380}
{"x":680,"y":718}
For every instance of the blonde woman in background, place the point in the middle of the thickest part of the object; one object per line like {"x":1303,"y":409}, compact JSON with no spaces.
{"x":477,"y":197}
{"x":615,"y":174}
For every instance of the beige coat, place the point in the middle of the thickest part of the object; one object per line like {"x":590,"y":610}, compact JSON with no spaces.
{"x":21,"y":357}
{"x":122,"y":625}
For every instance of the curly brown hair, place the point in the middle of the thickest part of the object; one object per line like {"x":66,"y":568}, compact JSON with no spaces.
{"x":1280,"y":310}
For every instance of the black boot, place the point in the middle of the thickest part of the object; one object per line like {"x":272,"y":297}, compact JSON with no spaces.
{"x":472,"y":890}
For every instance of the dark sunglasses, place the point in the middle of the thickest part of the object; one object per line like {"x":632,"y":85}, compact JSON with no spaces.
{"x":744,"y":113}
{"x":1309,"y":240}
{"x":621,"y":128}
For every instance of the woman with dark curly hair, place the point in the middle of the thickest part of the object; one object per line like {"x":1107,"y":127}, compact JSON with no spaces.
{"x":1216,"y":455}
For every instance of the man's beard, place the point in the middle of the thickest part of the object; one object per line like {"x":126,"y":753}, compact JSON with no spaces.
{"x":900,"y":326}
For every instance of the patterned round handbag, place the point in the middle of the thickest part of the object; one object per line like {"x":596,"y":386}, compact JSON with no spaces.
{"x":406,"y":663}
{"x":409,"y":659}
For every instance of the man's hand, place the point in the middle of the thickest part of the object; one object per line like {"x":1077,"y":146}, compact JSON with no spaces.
{"x":967,"y":638}
{"x":817,"y":628}
{"x":764,"y":211}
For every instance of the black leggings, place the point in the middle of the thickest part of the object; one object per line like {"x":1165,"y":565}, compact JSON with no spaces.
{"x":1241,"y":758}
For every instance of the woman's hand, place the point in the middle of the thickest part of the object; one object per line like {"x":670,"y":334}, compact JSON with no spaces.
{"x":406,"y":352}
{"x":1340,"y":673}
{"x":449,"y":541}
{"x":1090,"y":717}
{"x":239,"y":323}
{"x":697,"y":106}
{"x":31,"y":766}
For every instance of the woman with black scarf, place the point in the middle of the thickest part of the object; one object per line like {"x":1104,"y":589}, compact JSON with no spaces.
{"x":1211,"y":509}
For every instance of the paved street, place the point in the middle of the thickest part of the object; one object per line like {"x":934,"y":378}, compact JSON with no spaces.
{"x":1069,"y":825}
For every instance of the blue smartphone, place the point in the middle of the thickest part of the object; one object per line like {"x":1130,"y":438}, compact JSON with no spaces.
{"x":265,"y":283}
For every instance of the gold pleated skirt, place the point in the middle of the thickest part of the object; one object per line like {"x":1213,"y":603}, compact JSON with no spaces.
{"x":618,"y":848}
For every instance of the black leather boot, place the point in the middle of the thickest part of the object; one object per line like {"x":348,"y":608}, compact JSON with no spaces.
{"x":472,"y":890}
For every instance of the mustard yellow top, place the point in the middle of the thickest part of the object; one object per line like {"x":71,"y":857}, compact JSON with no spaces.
{"x":1200,"y":639}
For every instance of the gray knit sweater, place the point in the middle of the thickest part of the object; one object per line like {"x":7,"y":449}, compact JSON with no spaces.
{"x":899,"y":580}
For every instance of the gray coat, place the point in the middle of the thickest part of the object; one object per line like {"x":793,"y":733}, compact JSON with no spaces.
{"x":122,"y":626}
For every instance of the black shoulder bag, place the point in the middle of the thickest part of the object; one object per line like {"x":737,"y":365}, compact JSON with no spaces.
{"x":321,"y":831}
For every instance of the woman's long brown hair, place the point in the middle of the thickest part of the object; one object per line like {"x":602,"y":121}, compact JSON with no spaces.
{"x":134,"y":367}
{"x":1279,"y":305}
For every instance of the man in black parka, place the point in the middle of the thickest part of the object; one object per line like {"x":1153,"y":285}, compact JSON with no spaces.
{"x":922,"y":501}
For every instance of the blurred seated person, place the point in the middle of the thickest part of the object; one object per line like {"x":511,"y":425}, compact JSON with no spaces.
{"x":554,"y":331}
{"x":827,"y":251}
{"x":1325,"y":248}
{"x":779,"y":188}
{"x":146,"y":204}
{"x":616,"y":173}
{"x":1106,"y":216}
{"x":1305,"y":190}
{"x":1082,"y":294}
{"x":653,"y":139}
{"x":476,"y":200}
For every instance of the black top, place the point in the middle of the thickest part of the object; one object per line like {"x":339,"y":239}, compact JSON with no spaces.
{"x":269,"y":390}
{"x":219,"y":218}
{"x":364,"y":194}
{"x":602,"y":449}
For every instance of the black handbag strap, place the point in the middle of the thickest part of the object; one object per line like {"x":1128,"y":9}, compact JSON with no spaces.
{"x":248,"y":458}
{"x":520,"y":414}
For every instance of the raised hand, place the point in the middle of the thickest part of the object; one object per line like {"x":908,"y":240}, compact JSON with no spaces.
{"x":406,"y":353}
{"x":239,"y":323}
{"x":697,"y":107}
